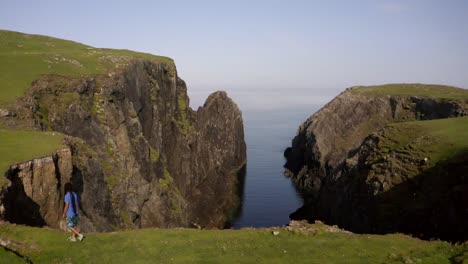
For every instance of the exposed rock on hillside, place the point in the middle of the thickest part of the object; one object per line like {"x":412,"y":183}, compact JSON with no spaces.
{"x":330,"y":156}
{"x":140,"y":157}
{"x":402,"y":190}
{"x":34,"y":196}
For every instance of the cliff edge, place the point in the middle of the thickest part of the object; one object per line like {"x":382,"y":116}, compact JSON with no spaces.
{"x":135,"y":151}
{"x":372,"y":160}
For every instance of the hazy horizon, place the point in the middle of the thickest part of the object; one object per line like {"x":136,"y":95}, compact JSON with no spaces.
{"x":267,"y":54}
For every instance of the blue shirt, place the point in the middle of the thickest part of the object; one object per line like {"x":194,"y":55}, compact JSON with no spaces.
{"x":68,"y":199}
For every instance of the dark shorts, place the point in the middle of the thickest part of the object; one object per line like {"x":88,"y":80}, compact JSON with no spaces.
{"x":72,"y":221}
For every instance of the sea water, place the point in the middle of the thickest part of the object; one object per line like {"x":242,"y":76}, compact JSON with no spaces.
{"x":268,"y":196}
{"x":271,"y":119}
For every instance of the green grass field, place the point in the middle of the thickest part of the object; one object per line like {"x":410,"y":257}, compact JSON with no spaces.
{"x":224,"y":246}
{"x":437,"y":140}
{"x":18,"y":146}
{"x":421,"y":90}
{"x":24,"y":58}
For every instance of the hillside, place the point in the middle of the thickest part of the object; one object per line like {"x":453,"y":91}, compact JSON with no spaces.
{"x":414,"y":177}
{"x":125,"y":136}
{"x":307,"y":244}
{"x":19,"y":146}
{"x":417,"y":89}
{"x":436,"y":140}
{"x":25,"y":57}
{"x":388,"y":158}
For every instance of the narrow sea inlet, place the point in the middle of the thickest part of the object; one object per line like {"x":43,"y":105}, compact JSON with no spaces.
{"x":269,"y":197}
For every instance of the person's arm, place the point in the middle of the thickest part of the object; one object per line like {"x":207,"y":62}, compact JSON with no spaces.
{"x":65,"y":209}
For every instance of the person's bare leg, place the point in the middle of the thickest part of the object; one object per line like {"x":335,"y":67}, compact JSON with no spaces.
{"x":74,"y":232}
{"x":71,"y":231}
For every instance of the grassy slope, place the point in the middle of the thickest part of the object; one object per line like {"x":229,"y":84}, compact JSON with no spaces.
{"x":225,"y":246}
{"x":437,"y":140}
{"x":24,"y":58}
{"x":18,"y":146}
{"x":9,"y":257}
{"x":421,"y":90}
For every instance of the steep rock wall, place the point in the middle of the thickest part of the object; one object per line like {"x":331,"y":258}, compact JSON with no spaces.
{"x":324,"y":141}
{"x":35,"y":192}
{"x":141,"y":157}
{"x":385,"y":191}
{"x":327,"y":160}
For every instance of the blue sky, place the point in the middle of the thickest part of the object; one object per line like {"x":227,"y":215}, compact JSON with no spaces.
{"x":272,"y":52}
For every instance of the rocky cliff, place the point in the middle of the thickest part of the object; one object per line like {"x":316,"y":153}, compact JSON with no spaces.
{"x":34,"y":196}
{"x":366,"y":186}
{"x":138,"y":155}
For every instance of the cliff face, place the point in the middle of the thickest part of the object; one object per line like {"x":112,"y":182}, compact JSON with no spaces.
{"x":324,"y":140}
{"x":401,"y":189}
{"x":34,"y":196}
{"x":328,"y":158}
{"x":140,"y":157}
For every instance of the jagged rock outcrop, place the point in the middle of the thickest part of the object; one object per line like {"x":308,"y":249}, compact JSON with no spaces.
{"x":385,"y":191}
{"x":35,"y":193}
{"x":328,"y":160}
{"x":140,"y":156}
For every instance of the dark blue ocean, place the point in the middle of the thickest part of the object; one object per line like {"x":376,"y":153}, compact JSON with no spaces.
{"x":269,"y":197}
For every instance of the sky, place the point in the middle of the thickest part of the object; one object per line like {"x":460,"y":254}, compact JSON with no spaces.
{"x":267,"y":54}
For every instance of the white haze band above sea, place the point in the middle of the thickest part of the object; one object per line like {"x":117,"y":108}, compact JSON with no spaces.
{"x":266,"y":99}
